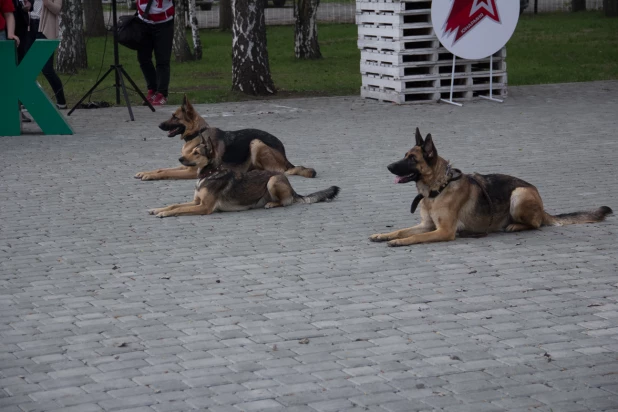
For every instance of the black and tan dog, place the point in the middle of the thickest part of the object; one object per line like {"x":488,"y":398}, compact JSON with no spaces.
{"x":240,"y":150}
{"x":220,"y":189}
{"x":452,"y":201}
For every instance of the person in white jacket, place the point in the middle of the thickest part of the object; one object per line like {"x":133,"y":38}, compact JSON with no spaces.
{"x":44,"y":24}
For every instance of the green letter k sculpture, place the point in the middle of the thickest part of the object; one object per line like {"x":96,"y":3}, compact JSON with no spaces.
{"x":18,"y":83}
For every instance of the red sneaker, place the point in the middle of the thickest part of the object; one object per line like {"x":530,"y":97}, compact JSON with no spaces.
{"x":158,"y":100}
{"x":149,"y":96}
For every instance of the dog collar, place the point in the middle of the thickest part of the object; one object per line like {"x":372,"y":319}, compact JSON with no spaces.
{"x":193,"y":136}
{"x":454,"y":174}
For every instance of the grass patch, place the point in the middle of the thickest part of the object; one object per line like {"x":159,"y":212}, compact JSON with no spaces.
{"x":209,"y":80}
{"x":549,"y":48}
{"x":563,"y":48}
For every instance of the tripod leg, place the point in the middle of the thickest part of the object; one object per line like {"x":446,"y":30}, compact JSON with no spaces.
{"x":89,"y":92}
{"x":137,"y":88}
{"x":124,"y":90}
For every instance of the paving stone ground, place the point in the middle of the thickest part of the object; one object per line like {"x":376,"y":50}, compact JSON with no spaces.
{"x":106,"y":308}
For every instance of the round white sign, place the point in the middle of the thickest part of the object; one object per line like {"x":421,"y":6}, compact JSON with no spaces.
{"x":474,"y":29}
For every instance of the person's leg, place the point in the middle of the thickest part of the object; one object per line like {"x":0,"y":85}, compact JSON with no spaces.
{"x":163,"y":39}
{"x":144,"y":57}
{"x":24,"y":118}
{"x":53,"y":79}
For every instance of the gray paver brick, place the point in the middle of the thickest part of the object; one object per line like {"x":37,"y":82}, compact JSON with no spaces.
{"x":127,"y":402}
{"x":55,"y":394}
{"x":332,"y":405}
{"x":107,"y":308}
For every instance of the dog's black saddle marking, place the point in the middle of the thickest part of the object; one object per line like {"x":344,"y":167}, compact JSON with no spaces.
{"x":455,"y":174}
{"x":237,"y":143}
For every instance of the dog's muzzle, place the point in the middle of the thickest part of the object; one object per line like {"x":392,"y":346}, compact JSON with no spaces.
{"x":403,"y":171}
{"x":172,"y":129}
{"x":185,"y":162}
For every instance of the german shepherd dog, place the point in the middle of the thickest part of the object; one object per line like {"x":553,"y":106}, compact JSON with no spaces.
{"x":451,"y":201}
{"x":219,"y":189}
{"x":240,"y":150}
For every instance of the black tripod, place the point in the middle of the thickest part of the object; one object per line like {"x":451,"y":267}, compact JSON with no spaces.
{"x":119,"y":72}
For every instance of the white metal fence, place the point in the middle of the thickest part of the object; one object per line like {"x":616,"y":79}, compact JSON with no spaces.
{"x":344,"y":11}
{"x":562,"y":5}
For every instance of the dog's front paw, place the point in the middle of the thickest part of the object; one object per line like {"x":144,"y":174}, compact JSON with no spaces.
{"x":395,"y":243}
{"x":154,"y":211}
{"x":139,"y":175}
{"x":378,"y":237}
{"x":149,"y":176}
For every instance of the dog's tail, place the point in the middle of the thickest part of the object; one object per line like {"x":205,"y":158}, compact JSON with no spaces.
{"x":321,"y":196}
{"x":299,"y":170}
{"x":591,"y":216}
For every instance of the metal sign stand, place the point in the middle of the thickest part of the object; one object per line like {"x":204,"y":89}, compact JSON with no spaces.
{"x":491,"y":80}
{"x":450,"y":99}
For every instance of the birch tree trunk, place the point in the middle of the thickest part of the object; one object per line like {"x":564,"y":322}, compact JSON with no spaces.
{"x":306,"y":44}
{"x":93,"y":16}
{"x":195,"y":32}
{"x":72,"y":50}
{"x":181,"y":47}
{"x":225,"y":15}
{"x":250,"y":68}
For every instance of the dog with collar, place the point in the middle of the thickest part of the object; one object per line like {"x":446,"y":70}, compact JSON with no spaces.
{"x":240,"y":150}
{"x":452,"y":202}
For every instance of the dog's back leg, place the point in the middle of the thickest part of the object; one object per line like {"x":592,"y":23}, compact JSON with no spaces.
{"x":266,"y":158}
{"x":281,"y":192}
{"x":526,"y":210}
{"x":300,"y":171}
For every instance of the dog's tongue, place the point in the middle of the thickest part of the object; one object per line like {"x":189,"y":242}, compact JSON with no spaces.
{"x":398,"y":179}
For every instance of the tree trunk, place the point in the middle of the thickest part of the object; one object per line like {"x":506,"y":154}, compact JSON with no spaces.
{"x":306,"y":44}
{"x":578,"y":5}
{"x":195,"y":32}
{"x":225,"y":15}
{"x":181,"y":47}
{"x":250,"y":69}
{"x":93,"y":16}
{"x":72,"y":50}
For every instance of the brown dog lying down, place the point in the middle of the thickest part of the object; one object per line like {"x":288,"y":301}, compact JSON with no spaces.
{"x":452,"y":201}
{"x":234,"y":149}
{"x":224,"y":190}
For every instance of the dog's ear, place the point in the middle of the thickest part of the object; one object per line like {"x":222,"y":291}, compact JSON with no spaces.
{"x":185,"y":103}
{"x":430,"y":153}
{"x":210,"y":147}
{"x":419,"y":138}
{"x":204,"y":146}
{"x":187,"y":107}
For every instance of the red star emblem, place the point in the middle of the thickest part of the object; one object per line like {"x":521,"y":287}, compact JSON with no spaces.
{"x":466,"y":14}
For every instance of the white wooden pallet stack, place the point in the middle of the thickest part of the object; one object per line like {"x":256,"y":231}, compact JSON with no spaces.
{"x":402,"y":60}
